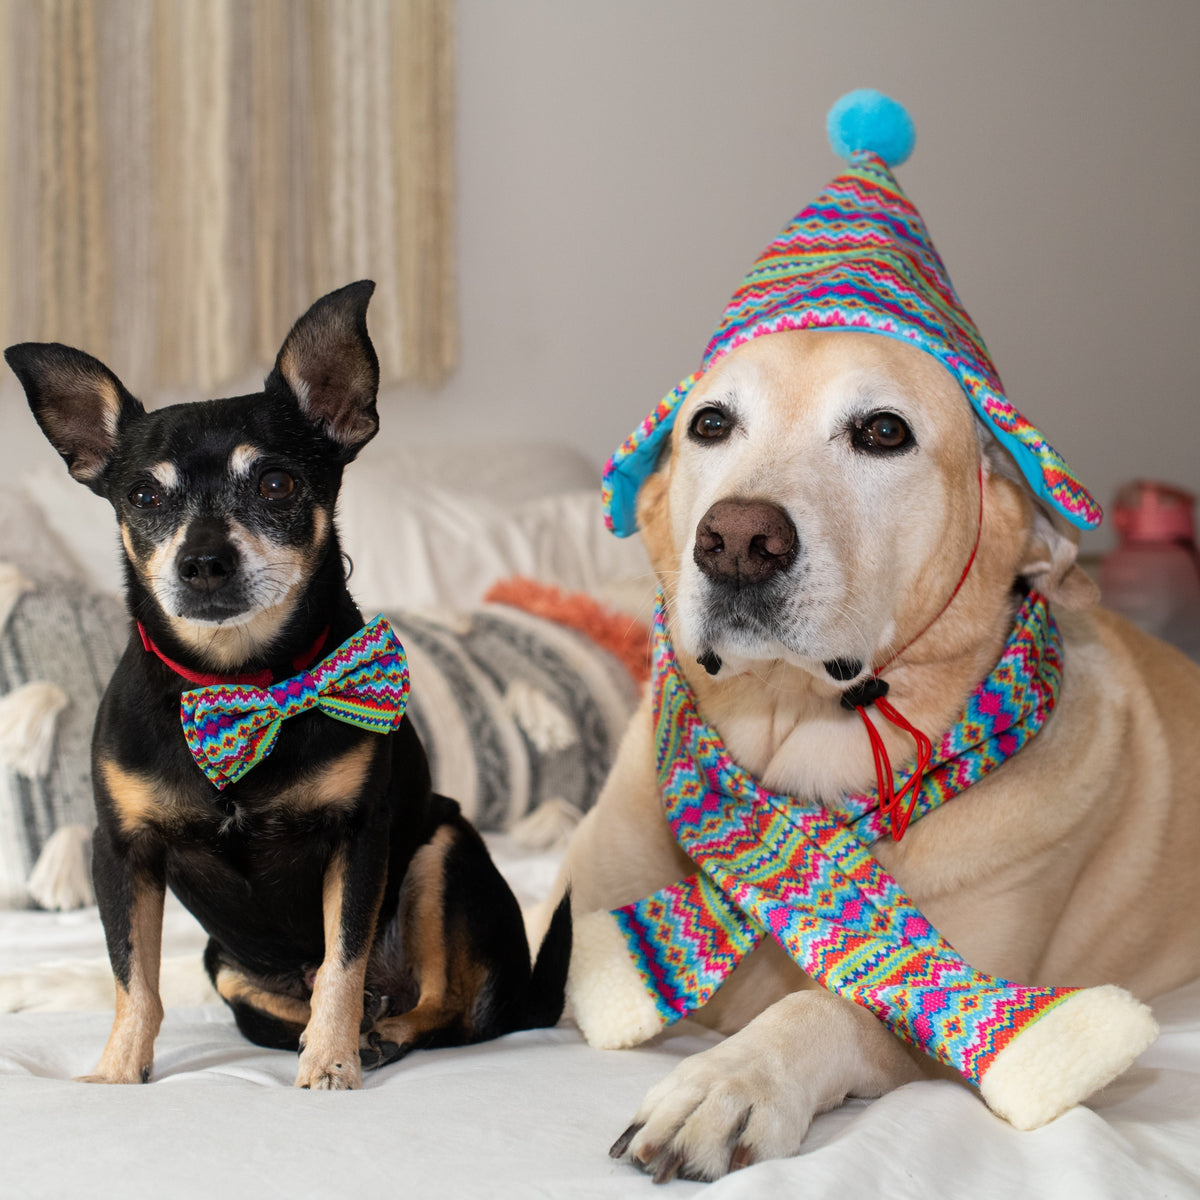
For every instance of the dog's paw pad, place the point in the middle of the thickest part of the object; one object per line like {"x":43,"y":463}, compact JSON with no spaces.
{"x":374,"y":1052}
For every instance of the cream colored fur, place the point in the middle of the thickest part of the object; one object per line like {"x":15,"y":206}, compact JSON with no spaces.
{"x":1073,"y":864}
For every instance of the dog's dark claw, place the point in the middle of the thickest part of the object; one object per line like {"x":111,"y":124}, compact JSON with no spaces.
{"x":374,"y":1007}
{"x":618,"y":1148}
{"x":668,"y":1168}
{"x":742,"y":1156}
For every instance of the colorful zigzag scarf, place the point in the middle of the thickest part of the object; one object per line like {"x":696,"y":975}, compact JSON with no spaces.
{"x":773,"y":864}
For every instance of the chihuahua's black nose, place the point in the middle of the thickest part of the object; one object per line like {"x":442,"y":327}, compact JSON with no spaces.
{"x":744,"y":541}
{"x":207,"y":560}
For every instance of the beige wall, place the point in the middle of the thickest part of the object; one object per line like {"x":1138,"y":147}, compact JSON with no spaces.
{"x":622,"y":162}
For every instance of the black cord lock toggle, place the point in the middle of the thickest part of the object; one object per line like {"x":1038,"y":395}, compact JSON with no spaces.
{"x":864,"y":693}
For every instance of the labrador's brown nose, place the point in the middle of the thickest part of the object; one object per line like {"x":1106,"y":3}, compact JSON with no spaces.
{"x":744,"y":541}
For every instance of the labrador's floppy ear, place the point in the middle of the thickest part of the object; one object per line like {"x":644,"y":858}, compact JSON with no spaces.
{"x":79,"y":403}
{"x":1050,"y":565}
{"x":1047,"y":562}
{"x":654,"y":513}
{"x":329,"y":365}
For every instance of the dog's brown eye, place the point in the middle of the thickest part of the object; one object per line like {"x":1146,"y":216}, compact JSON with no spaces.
{"x":711,"y":424}
{"x":144,"y":497}
{"x":882,"y":431}
{"x":276,"y":485}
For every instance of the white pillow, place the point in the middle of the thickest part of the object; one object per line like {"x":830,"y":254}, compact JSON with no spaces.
{"x":27,"y":540}
{"x":427,"y":548}
{"x":82,"y":521}
{"x":505,"y":474}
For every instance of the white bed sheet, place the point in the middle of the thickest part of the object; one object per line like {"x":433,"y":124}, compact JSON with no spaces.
{"x":530,"y":1115}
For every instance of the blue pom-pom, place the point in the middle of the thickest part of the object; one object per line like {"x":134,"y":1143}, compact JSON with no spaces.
{"x":868,"y":120}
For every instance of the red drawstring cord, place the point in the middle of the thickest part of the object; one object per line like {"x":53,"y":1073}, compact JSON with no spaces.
{"x":891,"y":802}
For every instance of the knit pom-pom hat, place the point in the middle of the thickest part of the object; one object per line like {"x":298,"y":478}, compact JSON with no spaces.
{"x":859,"y":257}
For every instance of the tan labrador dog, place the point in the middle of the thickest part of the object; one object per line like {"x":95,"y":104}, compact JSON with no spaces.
{"x":1074,"y":863}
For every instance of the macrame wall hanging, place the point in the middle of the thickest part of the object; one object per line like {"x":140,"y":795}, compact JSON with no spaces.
{"x":181,"y":177}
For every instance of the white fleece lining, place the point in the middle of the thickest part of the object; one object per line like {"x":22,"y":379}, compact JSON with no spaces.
{"x":1059,"y":1061}
{"x":610,"y":1001}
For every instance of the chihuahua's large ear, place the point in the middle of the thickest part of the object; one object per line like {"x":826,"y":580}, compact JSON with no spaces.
{"x":329,"y":365}
{"x":79,"y":403}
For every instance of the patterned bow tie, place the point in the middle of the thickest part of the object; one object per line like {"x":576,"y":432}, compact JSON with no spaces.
{"x":232,"y":727}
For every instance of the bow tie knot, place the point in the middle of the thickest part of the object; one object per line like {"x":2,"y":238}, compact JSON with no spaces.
{"x":230,"y":728}
{"x":294,"y":695}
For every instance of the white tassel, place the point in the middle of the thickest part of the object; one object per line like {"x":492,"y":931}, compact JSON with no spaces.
{"x":544,"y":723}
{"x":548,"y":826}
{"x":28,"y":717}
{"x":62,"y":878}
{"x":12,"y":586}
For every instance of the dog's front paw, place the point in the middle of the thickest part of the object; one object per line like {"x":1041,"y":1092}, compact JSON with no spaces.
{"x":714,"y":1113}
{"x":329,"y":1071}
{"x":754,"y":1096}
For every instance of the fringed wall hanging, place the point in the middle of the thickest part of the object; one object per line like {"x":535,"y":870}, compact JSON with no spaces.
{"x":181,"y":177}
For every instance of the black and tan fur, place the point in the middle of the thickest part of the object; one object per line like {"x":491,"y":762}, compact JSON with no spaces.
{"x":353,"y":913}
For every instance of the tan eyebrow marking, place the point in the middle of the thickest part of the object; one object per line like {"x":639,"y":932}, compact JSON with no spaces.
{"x":243,"y":458}
{"x":165,"y":475}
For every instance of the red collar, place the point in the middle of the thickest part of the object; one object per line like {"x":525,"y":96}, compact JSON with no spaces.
{"x":263,"y":678}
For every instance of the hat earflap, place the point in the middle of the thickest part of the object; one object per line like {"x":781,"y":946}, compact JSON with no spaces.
{"x":636,"y":458}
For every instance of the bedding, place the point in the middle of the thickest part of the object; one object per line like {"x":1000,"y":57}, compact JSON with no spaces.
{"x":529,"y":1115}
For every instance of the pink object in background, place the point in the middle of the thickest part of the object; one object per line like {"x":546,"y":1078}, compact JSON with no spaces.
{"x":1153,"y":575}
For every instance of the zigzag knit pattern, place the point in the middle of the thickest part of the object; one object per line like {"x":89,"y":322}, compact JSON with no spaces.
{"x":858,"y":258}
{"x":638,"y":449}
{"x":230,"y":728}
{"x":772,"y":864}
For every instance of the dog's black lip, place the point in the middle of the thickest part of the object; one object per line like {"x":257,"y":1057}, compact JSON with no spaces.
{"x":213,"y":612}
{"x":843,"y":669}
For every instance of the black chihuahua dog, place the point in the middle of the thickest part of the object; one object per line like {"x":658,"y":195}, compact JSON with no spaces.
{"x":352,"y":912}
